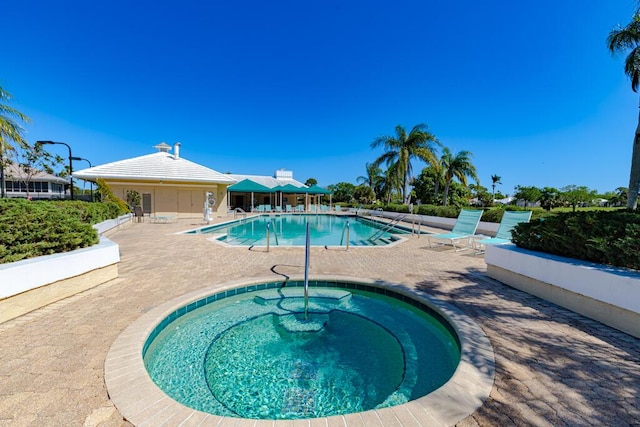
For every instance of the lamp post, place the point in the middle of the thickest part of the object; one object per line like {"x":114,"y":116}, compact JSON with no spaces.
{"x":90,"y":165}
{"x":70,"y":164}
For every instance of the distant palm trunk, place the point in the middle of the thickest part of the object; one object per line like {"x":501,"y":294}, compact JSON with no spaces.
{"x":634,"y":176}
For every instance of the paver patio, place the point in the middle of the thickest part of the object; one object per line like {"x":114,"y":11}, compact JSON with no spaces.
{"x":553,"y":367}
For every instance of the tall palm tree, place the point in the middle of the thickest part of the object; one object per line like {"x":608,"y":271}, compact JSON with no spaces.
{"x":402,"y":148}
{"x":10,"y":133}
{"x":495,"y":180}
{"x":620,"y":40}
{"x":458,"y":166}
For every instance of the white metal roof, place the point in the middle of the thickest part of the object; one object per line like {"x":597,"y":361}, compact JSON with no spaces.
{"x":157,"y":166}
{"x":13,"y":171}
{"x":268,"y":181}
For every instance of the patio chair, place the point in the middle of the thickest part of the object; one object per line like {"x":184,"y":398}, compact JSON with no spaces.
{"x":288,"y":208}
{"x":299,"y":208}
{"x":509,"y":220}
{"x":278,"y":209}
{"x":464,"y":228}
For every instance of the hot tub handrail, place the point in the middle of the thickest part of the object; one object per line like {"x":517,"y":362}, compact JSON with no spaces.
{"x":306,"y":273}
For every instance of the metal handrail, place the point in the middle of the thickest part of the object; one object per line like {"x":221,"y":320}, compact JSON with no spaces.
{"x":239,"y":211}
{"x":345,"y":229}
{"x":306,"y":274}
{"x":388,"y":227}
{"x":275,"y":233}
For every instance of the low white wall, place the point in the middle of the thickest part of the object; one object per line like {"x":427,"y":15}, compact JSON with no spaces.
{"x":608,"y":294}
{"x":110,"y":224}
{"x":22,"y":276}
{"x":486,"y":228}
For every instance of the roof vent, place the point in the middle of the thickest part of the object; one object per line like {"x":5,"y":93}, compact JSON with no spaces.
{"x":176,"y":150}
{"x":163,"y":147}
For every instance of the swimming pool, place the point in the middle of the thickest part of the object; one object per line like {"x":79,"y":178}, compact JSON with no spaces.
{"x":289,"y":230}
{"x":253,"y":355}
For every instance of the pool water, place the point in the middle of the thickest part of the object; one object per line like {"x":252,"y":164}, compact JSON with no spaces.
{"x":289,"y":230}
{"x":255,"y":355}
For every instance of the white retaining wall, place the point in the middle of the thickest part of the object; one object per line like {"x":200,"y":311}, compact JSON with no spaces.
{"x":608,"y":294}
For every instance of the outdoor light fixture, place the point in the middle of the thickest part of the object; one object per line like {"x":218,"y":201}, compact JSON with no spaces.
{"x":90,"y":165}
{"x":70,"y":158}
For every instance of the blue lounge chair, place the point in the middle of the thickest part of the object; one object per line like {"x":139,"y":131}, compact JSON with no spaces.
{"x":464,"y":228}
{"x":509,"y":220}
{"x":288,"y":208}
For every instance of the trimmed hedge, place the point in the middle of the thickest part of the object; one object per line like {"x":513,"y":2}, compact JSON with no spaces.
{"x":33,"y":228}
{"x":604,"y":237}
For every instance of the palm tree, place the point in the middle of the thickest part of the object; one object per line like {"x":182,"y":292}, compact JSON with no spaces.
{"x":401,"y":149}
{"x":391,"y":182}
{"x":10,"y":133}
{"x":458,"y":166}
{"x":373,"y":179}
{"x":495,"y":180}
{"x":619,"y":40}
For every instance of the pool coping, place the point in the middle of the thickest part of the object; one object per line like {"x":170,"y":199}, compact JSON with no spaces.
{"x":142,"y":402}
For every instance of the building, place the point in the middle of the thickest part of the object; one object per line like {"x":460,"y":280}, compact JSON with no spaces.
{"x":168,"y":185}
{"x":36,"y":185}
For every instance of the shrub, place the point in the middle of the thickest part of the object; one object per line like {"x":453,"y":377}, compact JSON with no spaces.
{"x":30,"y":229}
{"x":443,"y":211}
{"x":605,"y":237}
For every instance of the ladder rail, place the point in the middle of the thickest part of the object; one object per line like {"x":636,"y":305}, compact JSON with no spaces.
{"x":388,"y":227}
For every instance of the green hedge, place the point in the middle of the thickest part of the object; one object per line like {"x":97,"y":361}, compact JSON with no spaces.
{"x":604,"y":237}
{"x":33,"y":228}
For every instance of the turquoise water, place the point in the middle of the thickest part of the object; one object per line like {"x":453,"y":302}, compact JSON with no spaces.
{"x":255,"y":356}
{"x":289,"y":230}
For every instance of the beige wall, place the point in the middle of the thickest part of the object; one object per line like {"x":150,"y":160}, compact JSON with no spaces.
{"x":181,"y":200}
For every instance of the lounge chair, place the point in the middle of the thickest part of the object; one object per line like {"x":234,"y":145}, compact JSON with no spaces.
{"x":509,"y":220}
{"x":299,"y":208}
{"x":279,"y":209}
{"x":338,"y":208}
{"x":464,"y":228}
{"x":288,"y":208}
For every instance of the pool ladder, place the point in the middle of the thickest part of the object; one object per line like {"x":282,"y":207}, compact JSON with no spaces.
{"x":388,"y":227}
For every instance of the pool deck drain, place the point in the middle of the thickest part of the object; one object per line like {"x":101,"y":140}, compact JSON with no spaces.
{"x":553,"y":367}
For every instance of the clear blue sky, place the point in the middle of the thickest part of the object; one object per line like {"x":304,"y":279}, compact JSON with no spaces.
{"x":254,"y":86}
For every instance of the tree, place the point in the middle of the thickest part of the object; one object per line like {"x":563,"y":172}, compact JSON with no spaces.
{"x":364,"y":194}
{"x":527,"y":194}
{"x":482,"y":195}
{"x":619,"y":40}
{"x":574,"y":195}
{"x":495,"y":180}
{"x":458,"y":166}
{"x":11,"y":134}
{"x":31,"y":161}
{"x":374,"y":178}
{"x":425,"y":185}
{"x":549,"y":198}
{"x":311,"y":181}
{"x":401,"y":149}
{"x":342,"y":191}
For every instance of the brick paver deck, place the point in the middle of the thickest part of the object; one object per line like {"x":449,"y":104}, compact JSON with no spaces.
{"x":553,"y":367}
